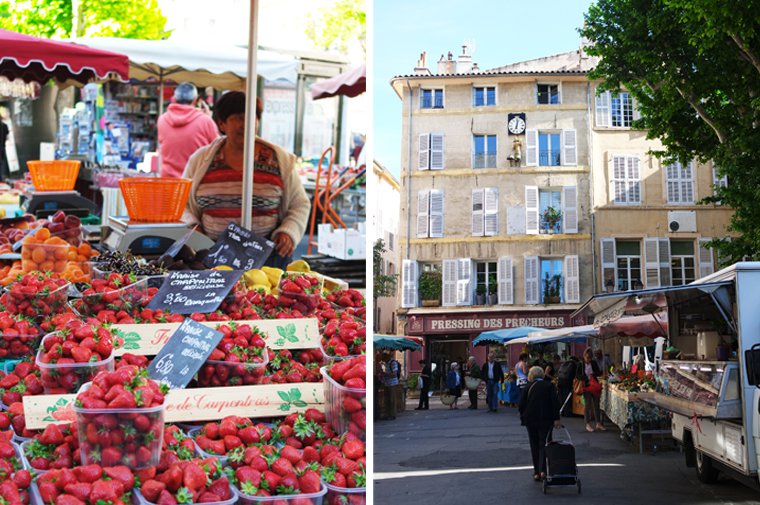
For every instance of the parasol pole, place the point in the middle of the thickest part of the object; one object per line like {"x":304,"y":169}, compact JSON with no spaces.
{"x":250,"y":119}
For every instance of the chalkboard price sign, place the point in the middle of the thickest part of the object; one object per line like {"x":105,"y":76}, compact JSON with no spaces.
{"x":184,"y":354}
{"x":185,"y":292}
{"x":240,"y":249}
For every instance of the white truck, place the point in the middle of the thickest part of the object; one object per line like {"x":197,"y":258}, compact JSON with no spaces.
{"x":713,"y":388}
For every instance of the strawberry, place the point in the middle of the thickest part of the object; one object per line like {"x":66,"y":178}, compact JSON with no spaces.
{"x":151,"y":489}
{"x":194,"y":478}
{"x":166,"y":498}
{"x":309,"y":482}
{"x":353,"y":449}
{"x":80,"y":490}
{"x":122,"y":474}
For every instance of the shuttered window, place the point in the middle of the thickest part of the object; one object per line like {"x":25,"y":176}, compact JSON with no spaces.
{"x":430,"y":213}
{"x":430,"y":151}
{"x":409,"y":275}
{"x":679,"y":181}
{"x":485,"y":212}
{"x":626,"y":180}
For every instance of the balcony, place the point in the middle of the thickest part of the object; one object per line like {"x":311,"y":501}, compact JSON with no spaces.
{"x":549,"y":159}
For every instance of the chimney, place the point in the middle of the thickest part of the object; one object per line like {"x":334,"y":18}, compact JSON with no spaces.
{"x":464,"y":63}
{"x":475,"y":68}
{"x":421,"y":68}
{"x":447,"y":65}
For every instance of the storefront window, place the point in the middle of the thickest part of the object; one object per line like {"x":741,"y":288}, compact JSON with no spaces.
{"x":319,"y":123}
{"x":278,"y":122}
{"x":628,"y":264}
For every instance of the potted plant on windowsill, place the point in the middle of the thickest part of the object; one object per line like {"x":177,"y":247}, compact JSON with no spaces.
{"x":430,"y":285}
{"x":480,"y":294}
{"x":551,"y":217}
{"x":551,"y":288}
{"x":493,"y":298}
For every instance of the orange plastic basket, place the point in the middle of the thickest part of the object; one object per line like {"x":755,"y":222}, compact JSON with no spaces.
{"x":56,"y":175}
{"x":155,"y":199}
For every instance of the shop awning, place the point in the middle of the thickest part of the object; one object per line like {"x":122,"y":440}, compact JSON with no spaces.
{"x":504,"y":335}
{"x":569,"y":334}
{"x":350,"y":84}
{"x":34,"y":59}
{"x":397,"y":343}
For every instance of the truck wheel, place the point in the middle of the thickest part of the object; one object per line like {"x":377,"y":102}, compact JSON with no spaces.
{"x":705,"y":471}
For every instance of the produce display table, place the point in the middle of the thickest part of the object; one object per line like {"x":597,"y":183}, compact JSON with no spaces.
{"x":632,"y":415}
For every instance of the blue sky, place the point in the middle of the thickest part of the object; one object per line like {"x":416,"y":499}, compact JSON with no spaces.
{"x":501,"y":32}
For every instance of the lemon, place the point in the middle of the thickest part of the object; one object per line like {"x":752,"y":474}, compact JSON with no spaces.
{"x":299,"y":266}
{"x":222,"y":267}
{"x":273,"y":274}
{"x":256,"y":276}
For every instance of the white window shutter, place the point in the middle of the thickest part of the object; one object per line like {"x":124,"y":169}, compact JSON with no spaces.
{"x":634,"y":180}
{"x":464,"y":281}
{"x":603,"y":110}
{"x":506,"y":283}
{"x":652,"y":262}
{"x":423,"y":213}
{"x":531,"y":210}
{"x":569,"y":150}
{"x":531,"y":280}
{"x":706,"y":264}
{"x":436,"y":213}
{"x":423,"y":162}
{"x":449,"y":283}
{"x":478,"y":211}
{"x":531,"y":148}
{"x":436,"y":151}
{"x":664,"y":253}
{"x":569,"y":209}
{"x":491,"y":214}
{"x":409,"y":283}
{"x":572,"y":280}
{"x":609,"y":267}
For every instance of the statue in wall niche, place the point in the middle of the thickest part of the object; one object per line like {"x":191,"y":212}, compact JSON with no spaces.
{"x":516,"y":155}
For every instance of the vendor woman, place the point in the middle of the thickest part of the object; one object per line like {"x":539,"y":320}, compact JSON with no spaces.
{"x":280,"y":205}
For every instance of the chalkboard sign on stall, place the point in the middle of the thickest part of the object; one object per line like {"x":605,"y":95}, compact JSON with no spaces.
{"x":185,"y":292}
{"x":184,"y":354}
{"x":240,"y":249}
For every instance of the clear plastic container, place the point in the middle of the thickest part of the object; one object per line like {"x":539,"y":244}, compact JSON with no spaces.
{"x":44,"y":257}
{"x":223,"y":459}
{"x":315,"y":498}
{"x":343,"y":495}
{"x":306,"y":303}
{"x":139,"y":499}
{"x":24,"y":460}
{"x":132,"y":296}
{"x":73,"y":236}
{"x":124,"y":418}
{"x":335,"y":395}
{"x":68,"y":377}
{"x":40,"y":304}
{"x":18,"y":346}
{"x":248,"y":373}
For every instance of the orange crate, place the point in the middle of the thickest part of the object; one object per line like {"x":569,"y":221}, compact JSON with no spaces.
{"x":55,"y":175}
{"x":155,"y":199}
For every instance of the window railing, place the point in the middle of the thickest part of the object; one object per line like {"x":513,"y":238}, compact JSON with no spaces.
{"x":547,"y":227}
{"x":548,"y":159}
{"x":484,"y":160}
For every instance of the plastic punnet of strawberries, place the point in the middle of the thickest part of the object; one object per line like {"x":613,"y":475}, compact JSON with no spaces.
{"x":346,"y":395}
{"x":56,"y":447}
{"x":36,"y":294}
{"x":300,"y":292}
{"x":281,"y":472}
{"x":19,"y":336}
{"x":120,"y":417}
{"x":231,"y":437}
{"x":69,"y":358}
{"x":86,"y":485}
{"x":194,"y":481}
{"x":117,"y":292}
{"x":240,"y":358}
{"x":14,"y":480}
{"x":24,"y":380}
{"x":345,"y":472}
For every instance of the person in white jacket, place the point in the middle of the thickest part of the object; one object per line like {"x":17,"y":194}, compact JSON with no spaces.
{"x":280,"y":205}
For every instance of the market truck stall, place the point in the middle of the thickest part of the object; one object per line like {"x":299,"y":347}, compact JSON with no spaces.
{"x":709,"y":376}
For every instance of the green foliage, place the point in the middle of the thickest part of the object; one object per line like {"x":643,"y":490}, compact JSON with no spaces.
{"x":693,"y":67}
{"x":132,"y":19}
{"x":430,"y":285}
{"x":335,"y":26}
{"x":383,"y":284}
{"x":552,"y":285}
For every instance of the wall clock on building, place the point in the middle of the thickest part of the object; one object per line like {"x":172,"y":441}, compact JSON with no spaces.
{"x":516,"y":123}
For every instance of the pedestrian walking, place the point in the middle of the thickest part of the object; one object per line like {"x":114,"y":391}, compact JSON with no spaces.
{"x":454,"y":384}
{"x":565,"y":377}
{"x":391,"y":374}
{"x":473,"y":373}
{"x":425,"y":376}
{"x":539,"y":412}
{"x":493,"y":375}
{"x":588,"y":373}
{"x":521,"y":370}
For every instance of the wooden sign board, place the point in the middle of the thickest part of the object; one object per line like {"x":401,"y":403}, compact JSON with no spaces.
{"x":203,"y":404}
{"x":148,"y":339}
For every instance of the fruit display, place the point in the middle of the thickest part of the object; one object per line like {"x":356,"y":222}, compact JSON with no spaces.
{"x":239,"y":358}
{"x":265,"y":279}
{"x":126,"y":263}
{"x":36,"y":295}
{"x":42,"y":252}
{"x":85,"y":485}
{"x":116,"y":292}
{"x":300,"y":292}
{"x":56,"y":447}
{"x":194,"y":481}
{"x":345,"y":473}
{"x":229,"y":438}
{"x":346,"y":395}
{"x":120,"y":418}
{"x":15,"y":412}
{"x":186,"y":259}
{"x":15,"y":481}
{"x":24,"y":380}
{"x":19,"y":336}
{"x":343,"y":336}
{"x":67,"y":227}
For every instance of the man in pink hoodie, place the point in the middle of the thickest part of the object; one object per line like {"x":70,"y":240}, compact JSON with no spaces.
{"x":182,"y":129}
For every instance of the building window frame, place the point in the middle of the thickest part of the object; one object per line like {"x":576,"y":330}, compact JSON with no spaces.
{"x":681,"y":264}
{"x":548,"y":267}
{"x":483,"y":96}
{"x":625,"y":263}
{"x":431,"y":98}
{"x":486,"y":159}
{"x":485,"y":271}
{"x":551,"y":94}
{"x":625,"y":178}
{"x":679,"y":183}
{"x":548,"y":140}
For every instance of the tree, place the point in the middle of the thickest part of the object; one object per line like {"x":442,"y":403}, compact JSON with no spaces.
{"x":694,"y":68}
{"x":335,"y":26}
{"x":135,"y":19}
{"x":383,"y":284}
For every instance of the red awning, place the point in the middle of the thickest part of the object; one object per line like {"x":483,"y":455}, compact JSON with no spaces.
{"x":647,"y":325}
{"x":350,"y":84}
{"x":39,"y":60}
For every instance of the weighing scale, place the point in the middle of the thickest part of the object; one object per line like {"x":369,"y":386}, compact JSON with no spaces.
{"x":44,"y":203}
{"x":149,"y":239}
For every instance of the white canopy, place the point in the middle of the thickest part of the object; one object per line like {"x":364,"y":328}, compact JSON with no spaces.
{"x":209,"y":64}
{"x":546,"y":336}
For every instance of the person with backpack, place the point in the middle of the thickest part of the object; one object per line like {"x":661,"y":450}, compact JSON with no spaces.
{"x":565,"y":376}
{"x":391,"y":376}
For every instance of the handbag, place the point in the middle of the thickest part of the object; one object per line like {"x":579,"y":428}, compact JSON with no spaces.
{"x":594,"y":387}
{"x":577,"y":387}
